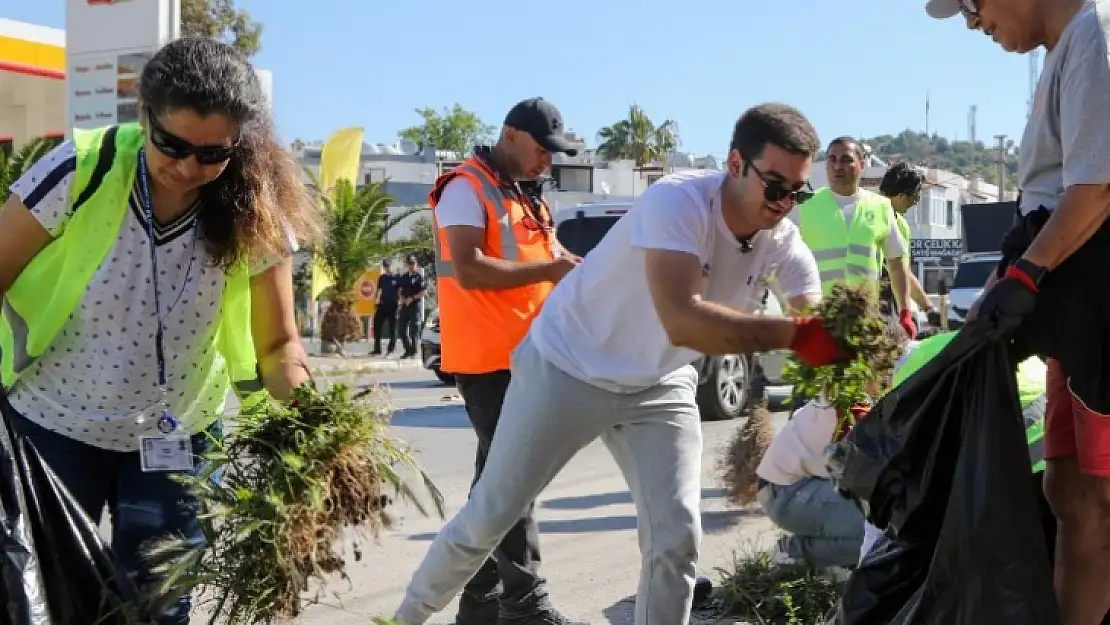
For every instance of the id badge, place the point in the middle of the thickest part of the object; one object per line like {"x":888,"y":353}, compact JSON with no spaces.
{"x":166,"y":453}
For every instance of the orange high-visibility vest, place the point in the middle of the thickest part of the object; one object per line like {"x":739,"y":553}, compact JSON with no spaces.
{"x":479,"y":328}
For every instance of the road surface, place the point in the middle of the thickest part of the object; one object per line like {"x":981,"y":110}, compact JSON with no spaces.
{"x":587,"y":519}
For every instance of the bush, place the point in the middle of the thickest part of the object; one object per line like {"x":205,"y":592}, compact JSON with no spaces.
{"x":766,"y":593}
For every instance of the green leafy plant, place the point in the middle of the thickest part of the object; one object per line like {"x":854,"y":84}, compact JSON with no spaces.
{"x":852,"y":315}
{"x":765,"y":593}
{"x":279,"y":493}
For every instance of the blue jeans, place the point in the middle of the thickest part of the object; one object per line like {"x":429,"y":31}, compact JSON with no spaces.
{"x":825,"y":528}
{"x":143,"y":506}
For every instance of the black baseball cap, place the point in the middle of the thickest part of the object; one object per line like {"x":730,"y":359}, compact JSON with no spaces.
{"x":387,"y":263}
{"x":542,"y":121}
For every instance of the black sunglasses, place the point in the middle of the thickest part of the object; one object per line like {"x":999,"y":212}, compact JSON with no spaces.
{"x":774,"y":190}
{"x":179,"y":149}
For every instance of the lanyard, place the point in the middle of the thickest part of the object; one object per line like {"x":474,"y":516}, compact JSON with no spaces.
{"x":148,"y":213}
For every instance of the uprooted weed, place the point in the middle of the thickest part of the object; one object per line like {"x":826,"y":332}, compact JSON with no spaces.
{"x":873,"y":344}
{"x":765,"y":593}
{"x":736,"y":466}
{"x":278,"y":494}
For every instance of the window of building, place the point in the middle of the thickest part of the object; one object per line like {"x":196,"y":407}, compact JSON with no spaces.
{"x":580,"y":179}
{"x":374,"y":174}
{"x":937,"y":211}
{"x":950,"y":214}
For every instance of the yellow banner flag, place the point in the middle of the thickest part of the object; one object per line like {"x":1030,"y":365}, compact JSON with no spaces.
{"x":340,"y":158}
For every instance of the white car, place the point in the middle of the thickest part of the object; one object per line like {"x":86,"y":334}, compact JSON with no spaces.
{"x":430,"y":350}
{"x":967,"y":285}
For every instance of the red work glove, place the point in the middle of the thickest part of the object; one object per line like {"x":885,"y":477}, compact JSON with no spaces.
{"x":813,"y":344}
{"x":905,"y":319}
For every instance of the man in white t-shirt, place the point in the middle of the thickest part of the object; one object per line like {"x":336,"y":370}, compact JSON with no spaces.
{"x":609,"y":356}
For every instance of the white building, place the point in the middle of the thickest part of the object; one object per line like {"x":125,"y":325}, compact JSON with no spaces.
{"x":409,"y":173}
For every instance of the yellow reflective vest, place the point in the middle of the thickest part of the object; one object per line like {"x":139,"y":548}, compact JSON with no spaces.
{"x":50,"y":288}
{"x":851,"y":254}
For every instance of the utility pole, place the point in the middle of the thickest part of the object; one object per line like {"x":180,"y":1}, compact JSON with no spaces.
{"x":1001,"y":165}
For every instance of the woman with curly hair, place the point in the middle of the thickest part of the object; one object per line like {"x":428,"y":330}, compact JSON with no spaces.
{"x":145,"y":271}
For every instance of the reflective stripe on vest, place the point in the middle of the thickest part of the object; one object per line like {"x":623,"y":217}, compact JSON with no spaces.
{"x":479,"y":328}
{"x":488,"y":195}
{"x":851,"y":254}
{"x":1031,"y":387}
{"x":44,"y":295}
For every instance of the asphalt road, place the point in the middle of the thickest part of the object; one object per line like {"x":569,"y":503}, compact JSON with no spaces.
{"x":587,"y":519}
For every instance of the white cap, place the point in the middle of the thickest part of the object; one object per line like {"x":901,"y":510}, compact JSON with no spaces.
{"x":942,"y":9}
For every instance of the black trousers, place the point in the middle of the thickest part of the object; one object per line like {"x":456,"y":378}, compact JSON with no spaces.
{"x":512,"y":574}
{"x":385,"y":322}
{"x":408,"y":325}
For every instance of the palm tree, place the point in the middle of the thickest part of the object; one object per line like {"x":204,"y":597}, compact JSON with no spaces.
{"x":358,"y":225}
{"x":14,"y":164}
{"x":638,"y":139}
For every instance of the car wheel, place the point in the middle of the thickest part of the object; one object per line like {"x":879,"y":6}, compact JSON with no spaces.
{"x":727,"y":392}
{"x":446,"y":378}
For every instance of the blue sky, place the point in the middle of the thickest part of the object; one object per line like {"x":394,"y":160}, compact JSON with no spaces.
{"x":858,"y":67}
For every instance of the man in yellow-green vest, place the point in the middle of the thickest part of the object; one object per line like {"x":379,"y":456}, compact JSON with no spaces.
{"x":902,"y":185}
{"x":852,"y":232}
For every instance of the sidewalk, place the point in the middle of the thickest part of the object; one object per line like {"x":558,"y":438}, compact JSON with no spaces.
{"x":356,"y":361}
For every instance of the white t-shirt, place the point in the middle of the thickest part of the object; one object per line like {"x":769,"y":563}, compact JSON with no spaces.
{"x":599,"y":323}
{"x":98,"y":381}
{"x":798,"y":450}
{"x":459,"y":206}
{"x":892,"y":245}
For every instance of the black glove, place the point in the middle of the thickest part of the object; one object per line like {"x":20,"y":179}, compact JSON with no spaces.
{"x":1008,"y":302}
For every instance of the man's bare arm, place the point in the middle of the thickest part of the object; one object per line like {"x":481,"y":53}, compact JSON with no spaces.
{"x":899,"y":283}
{"x":475,"y":270}
{"x":1082,"y":211}
{"x":917,"y":292}
{"x":675,"y":280}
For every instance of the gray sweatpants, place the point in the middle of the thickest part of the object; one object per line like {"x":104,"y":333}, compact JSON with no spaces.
{"x":548,"y":416}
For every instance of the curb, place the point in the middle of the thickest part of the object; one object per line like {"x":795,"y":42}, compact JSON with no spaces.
{"x":355,"y":366}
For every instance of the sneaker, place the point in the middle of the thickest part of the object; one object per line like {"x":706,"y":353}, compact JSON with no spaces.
{"x":485,"y":614}
{"x":549,"y":616}
{"x":779,"y":555}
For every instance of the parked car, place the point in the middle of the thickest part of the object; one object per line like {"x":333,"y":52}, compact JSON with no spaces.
{"x":430,"y":349}
{"x":727,"y":385}
{"x":967,"y":285}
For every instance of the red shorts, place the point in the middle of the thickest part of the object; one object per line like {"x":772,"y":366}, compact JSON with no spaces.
{"x":1073,"y":429}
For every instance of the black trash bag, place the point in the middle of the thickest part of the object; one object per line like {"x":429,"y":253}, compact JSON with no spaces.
{"x":942,"y":463}
{"x":54,"y":567}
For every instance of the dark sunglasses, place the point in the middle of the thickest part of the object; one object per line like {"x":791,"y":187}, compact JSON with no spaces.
{"x":179,"y":149}
{"x":774,"y":190}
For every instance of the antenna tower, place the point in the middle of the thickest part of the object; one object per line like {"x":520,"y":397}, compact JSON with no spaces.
{"x":971,"y":114}
{"x":1034,"y":61}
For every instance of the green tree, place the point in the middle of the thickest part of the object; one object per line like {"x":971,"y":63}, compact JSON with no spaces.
{"x":15,"y":163}
{"x":423,"y":233}
{"x":638,"y":139}
{"x":219,"y":19}
{"x":456,"y":129}
{"x":358,"y":226}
